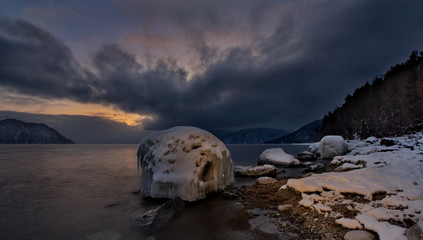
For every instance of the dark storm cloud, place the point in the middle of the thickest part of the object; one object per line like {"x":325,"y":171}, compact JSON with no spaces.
{"x":35,"y":62}
{"x":317,"y":53}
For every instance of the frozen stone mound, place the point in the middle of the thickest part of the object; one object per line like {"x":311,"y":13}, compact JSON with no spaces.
{"x":276,"y":156}
{"x":331,"y":146}
{"x":185,"y":162}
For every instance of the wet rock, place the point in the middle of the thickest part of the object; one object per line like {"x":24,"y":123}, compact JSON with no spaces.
{"x":358,"y":235}
{"x":160,"y":216}
{"x":255,"y":171}
{"x":414,"y":233}
{"x":228,"y":195}
{"x":317,"y":168}
{"x":266,"y":180}
{"x":254,"y":212}
{"x":306,"y":156}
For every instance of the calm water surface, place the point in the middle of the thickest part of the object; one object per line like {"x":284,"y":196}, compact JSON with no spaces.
{"x":86,"y":192}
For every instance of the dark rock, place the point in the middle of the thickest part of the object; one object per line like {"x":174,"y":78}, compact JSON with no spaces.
{"x":160,"y":216}
{"x":306,"y":156}
{"x":228,"y":195}
{"x":414,"y":233}
{"x":358,"y":235}
{"x":387,"y":142}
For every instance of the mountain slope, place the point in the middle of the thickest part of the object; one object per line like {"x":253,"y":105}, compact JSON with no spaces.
{"x":253,"y":136}
{"x":15,"y":131}
{"x":389,"y":106}
{"x":305,"y":134}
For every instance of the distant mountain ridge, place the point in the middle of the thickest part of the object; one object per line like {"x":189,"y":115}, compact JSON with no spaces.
{"x":305,"y":134}
{"x":16,"y":131}
{"x":252,"y":135}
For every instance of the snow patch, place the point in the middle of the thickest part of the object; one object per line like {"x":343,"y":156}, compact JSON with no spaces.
{"x":349,"y":223}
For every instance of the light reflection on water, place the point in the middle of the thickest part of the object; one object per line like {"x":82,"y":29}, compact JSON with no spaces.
{"x":86,"y":192}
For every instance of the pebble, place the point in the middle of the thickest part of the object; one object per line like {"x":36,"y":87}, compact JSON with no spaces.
{"x":284,"y":207}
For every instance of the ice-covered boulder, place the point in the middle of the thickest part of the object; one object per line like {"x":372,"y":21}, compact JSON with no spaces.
{"x":185,"y":162}
{"x":331,"y":146}
{"x":276,"y":156}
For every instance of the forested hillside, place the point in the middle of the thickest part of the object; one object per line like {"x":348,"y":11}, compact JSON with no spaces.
{"x":391,"y":105}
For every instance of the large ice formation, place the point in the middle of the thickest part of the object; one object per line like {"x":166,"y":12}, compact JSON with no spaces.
{"x":331,"y":146}
{"x":187,"y":162}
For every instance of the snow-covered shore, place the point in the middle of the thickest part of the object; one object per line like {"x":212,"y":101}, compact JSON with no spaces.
{"x":390,"y":179}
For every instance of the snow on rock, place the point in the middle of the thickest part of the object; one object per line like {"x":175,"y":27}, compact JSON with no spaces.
{"x":277,"y":156}
{"x":306,"y":202}
{"x":331,"y":146}
{"x":183,"y":161}
{"x":303,"y":186}
{"x":385,"y":230}
{"x":255,"y":171}
{"x":347,"y":166}
{"x":349,"y":223}
{"x":371,"y":140}
{"x":314,"y":148}
{"x":390,"y":181}
{"x":321,"y":208}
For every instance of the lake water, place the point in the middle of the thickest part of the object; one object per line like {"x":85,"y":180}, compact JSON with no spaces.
{"x":86,"y":192}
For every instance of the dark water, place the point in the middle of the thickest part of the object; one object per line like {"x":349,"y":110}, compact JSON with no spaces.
{"x":85,"y":192}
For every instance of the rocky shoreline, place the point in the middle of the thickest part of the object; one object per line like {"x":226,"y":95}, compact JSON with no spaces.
{"x":291,"y":219}
{"x":374,"y":191}
{"x":368,"y":193}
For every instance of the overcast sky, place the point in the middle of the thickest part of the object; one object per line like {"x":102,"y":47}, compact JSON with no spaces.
{"x":211,"y":64}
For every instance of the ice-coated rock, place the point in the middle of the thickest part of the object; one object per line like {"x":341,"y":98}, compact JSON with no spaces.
{"x":314,"y":148}
{"x":255,"y":171}
{"x":277,"y":156}
{"x":331,"y":146}
{"x":185,"y":162}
